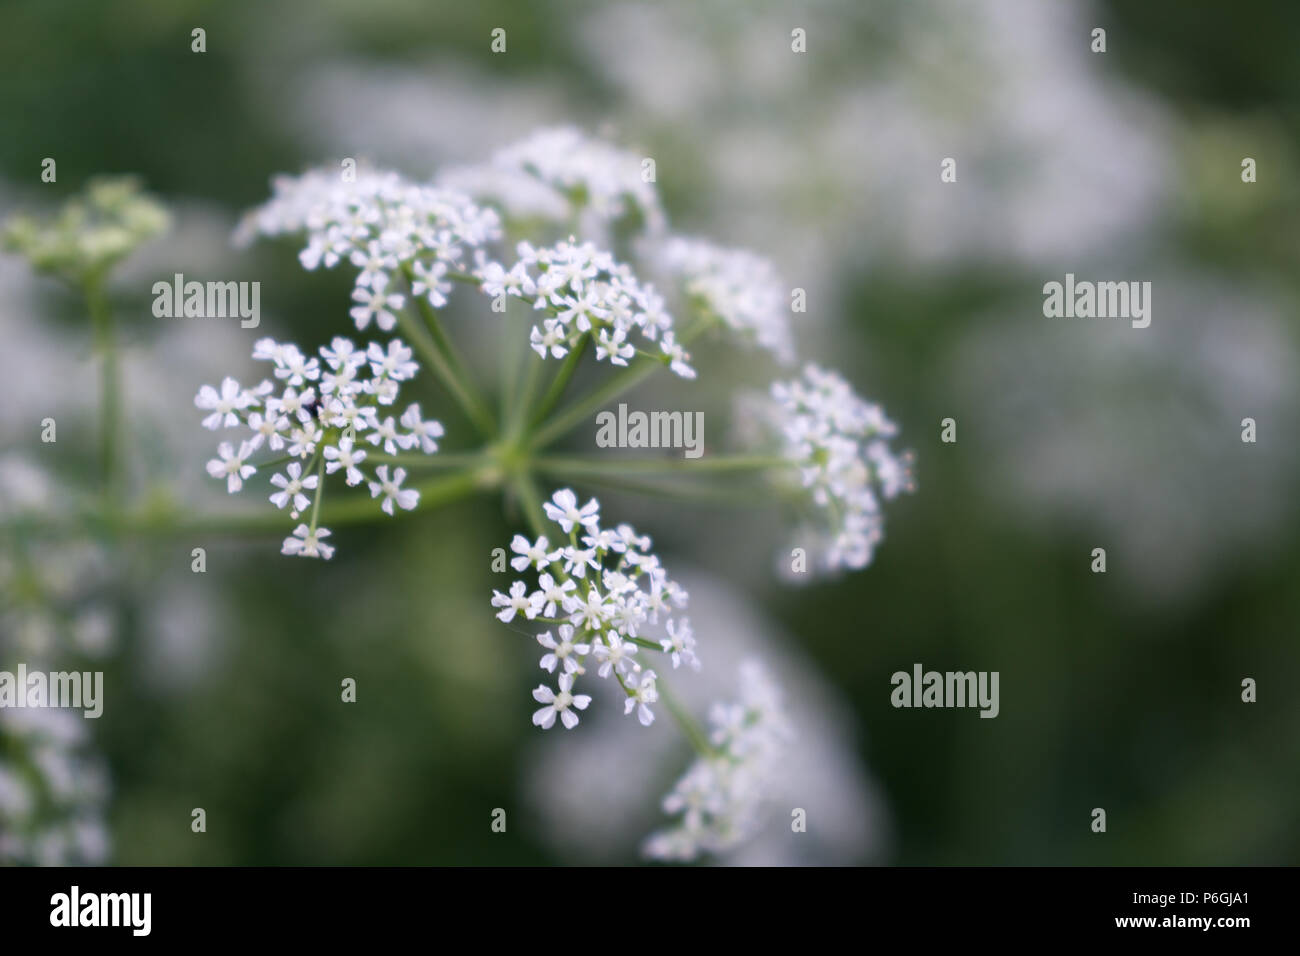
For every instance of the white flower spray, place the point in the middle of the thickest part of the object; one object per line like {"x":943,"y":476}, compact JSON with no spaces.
{"x":592,"y":593}
{"x":601,"y":604}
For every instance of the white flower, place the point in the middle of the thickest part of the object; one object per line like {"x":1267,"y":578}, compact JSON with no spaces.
{"x":378,"y":305}
{"x":679,"y":359}
{"x":294,"y":367}
{"x":307,"y":543}
{"x":375,"y":263}
{"x":615,"y":655}
{"x":528,"y":553}
{"x":269,"y":428}
{"x":292,"y":488}
{"x":303,"y":440}
{"x":723,"y":797}
{"x":680,"y":643}
{"x":344,"y":456}
{"x":739,"y":287}
{"x":291,"y":403}
{"x":224,"y":405}
{"x":644,"y":693}
{"x":607,"y":588}
{"x":562,"y":651}
{"x":561,"y":174}
{"x":406,"y":498}
{"x":429,"y":282}
{"x":553,"y":340}
{"x":552,"y":594}
{"x":563,"y":509}
{"x":380,"y":222}
{"x":590,"y":612}
{"x":583,"y":291}
{"x":839,"y":445}
{"x":517,"y":600}
{"x":614,"y":346}
{"x":394,"y":362}
{"x":342,"y":354}
{"x":561,"y":703}
{"x":424,"y":431}
{"x":231,"y":466}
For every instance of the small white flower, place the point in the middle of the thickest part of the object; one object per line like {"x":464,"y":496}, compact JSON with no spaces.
{"x":292,"y":488}
{"x":224,"y":405}
{"x":562,"y":651}
{"x":553,"y":340}
{"x":591,"y":612}
{"x":341,"y":354}
{"x":429,"y":282}
{"x":424,"y":431}
{"x":269,"y":428}
{"x":551,"y":594}
{"x":344,"y":456}
{"x":308,"y":543}
{"x":394,"y":363}
{"x":563,"y":509}
{"x":531,"y":553}
{"x":303,"y":440}
{"x":376,"y":304}
{"x":561,"y":703}
{"x":643,"y":695}
{"x":517,"y":600}
{"x":406,"y":498}
{"x":614,"y":347}
{"x":680,"y":643}
{"x":375,"y":264}
{"x":232,"y":466}
{"x":292,"y":403}
{"x":615,"y":654}
{"x":295,"y":368}
{"x":386,"y":432}
{"x":679,"y":359}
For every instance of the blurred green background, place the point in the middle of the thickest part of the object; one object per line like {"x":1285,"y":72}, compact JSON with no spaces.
{"x":1119,"y":691}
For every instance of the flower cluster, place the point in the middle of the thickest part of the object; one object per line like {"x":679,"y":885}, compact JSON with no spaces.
{"x":583,"y":290}
{"x":322,"y":411}
{"x":381,"y":223}
{"x":840,"y":445}
{"x":53,"y":790}
{"x":721,"y":797}
{"x":561,"y":175}
{"x":599,"y":593}
{"x":739,"y":287}
{"x":92,"y":232}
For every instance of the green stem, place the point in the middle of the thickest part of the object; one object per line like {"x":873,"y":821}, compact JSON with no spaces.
{"x":519,"y":415}
{"x":110,"y":401}
{"x":530,"y":500}
{"x":683,"y":492}
{"x":358,"y":509}
{"x":423,"y":344}
{"x":616,"y":467}
{"x":452,"y":367}
{"x":593,"y":401}
{"x":561,"y":381}
{"x":693,"y":731}
{"x":320,"y":490}
{"x":439,"y":460}
{"x":612,"y":388}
